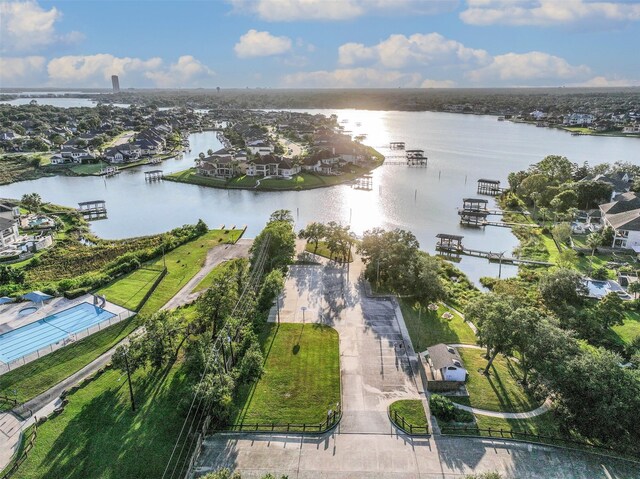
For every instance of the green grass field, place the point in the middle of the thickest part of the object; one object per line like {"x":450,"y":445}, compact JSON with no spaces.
{"x":629,"y":329}
{"x":411,"y":410}
{"x":500,"y":390}
{"x":212,"y":277}
{"x":182,"y":264}
{"x":129,"y":291}
{"x":88,"y":169}
{"x":322,"y":250}
{"x":98,"y":436}
{"x":427,"y":328}
{"x":301,"y":379}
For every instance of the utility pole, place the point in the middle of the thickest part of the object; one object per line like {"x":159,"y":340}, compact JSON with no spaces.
{"x":126,"y":363}
{"x":500,"y":265}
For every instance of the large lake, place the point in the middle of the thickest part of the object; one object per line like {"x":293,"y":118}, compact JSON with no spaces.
{"x":461,"y":149}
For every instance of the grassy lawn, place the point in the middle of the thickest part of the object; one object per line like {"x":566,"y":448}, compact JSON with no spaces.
{"x":427,"y":328}
{"x":551,"y":248}
{"x":301,"y":379}
{"x":500,"y":390}
{"x":183,"y":263}
{"x":88,"y":169}
{"x":129,"y":291}
{"x":629,"y":329}
{"x":212,"y":277}
{"x":322,"y":250}
{"x":301,"y":181}
{"x":37,"y":376}
{"x":98,"y":436}
{"x":411,"y":410}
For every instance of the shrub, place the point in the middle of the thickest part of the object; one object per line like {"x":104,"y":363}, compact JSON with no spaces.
{"x":75,"y":293}
{"x":600,"y":273}
{"x":444,"y":409}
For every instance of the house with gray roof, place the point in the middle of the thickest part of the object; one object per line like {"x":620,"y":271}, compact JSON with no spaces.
{"x":623,"y":216}
{"x":445,"y":364}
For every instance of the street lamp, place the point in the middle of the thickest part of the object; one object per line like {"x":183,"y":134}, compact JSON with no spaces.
{"x":304,"y":308}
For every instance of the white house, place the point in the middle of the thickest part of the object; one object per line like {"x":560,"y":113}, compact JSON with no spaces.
{"x":538,"y":115}
{"x":445,"y":363}
{"x":287,"y":168}
{"x":260,"y":147}
{"x":623,"y":216}
{"x":578,"y":119}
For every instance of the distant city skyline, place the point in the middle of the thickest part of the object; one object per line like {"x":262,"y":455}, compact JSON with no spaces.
{"x":319,"y":43}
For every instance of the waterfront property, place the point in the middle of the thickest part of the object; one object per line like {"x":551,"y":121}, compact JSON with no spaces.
{"x":623,"y":216}
{"x":444,"y":368}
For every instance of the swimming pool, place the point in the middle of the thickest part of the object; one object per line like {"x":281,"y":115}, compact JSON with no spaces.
{"x":599,"y":289}
{"x":50,"y":330}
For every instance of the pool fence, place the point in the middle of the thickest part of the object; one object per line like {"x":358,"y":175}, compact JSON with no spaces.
{"x":69,"y":339}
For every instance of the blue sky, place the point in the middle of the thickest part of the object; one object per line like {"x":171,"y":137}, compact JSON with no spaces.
{"x":320,"y":43}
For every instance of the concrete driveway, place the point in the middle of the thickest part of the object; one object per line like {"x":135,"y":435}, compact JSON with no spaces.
{"x":375,"y":363}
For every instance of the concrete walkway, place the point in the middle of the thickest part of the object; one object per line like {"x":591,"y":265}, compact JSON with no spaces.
{"x":215,"y":256}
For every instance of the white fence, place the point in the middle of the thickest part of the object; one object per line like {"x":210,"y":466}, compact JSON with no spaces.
{"x":69,"y":339}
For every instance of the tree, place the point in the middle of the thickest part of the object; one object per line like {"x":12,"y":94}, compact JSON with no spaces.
{"x":493,"y":316}
{"x":608,"y":234}
{"x":561,"y":233}
{"x":281,"y":246}
{"x":555,"y":167}
{"x":564,"y":201}
{"x":593,"y":241}
{"x":216,"y":304}
{"x":313,"y":233}
{"x":535,"y":183}
{"x":562,"y":287}
{"x":282,"y":215}
{"x":610,"y":310}
{"x":210,"y":152}
{"x":216,"y":392}
{"x":567,"y":258}
{"x":634,"y":288}
{"x":128,"y":358}
{"x":592,"y":193}
{"x":32,"y":201}
{"x":161,"y":338}
{"x":272,"y":285}
{"x":426,"y":285}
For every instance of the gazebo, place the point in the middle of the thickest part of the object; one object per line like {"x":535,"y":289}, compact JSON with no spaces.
{"x":37,"y":297}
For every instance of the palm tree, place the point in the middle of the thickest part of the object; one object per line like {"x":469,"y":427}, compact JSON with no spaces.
{"x":593,"y":241}
{"x":32,"y":201}
{"x":634,"y":288}
{"x":210,"y":152}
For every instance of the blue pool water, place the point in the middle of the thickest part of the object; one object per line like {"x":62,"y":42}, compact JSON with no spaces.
{"x":50,"y":330}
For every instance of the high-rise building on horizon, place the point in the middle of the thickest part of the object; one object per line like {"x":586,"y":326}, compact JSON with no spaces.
{"x":115,"y":82}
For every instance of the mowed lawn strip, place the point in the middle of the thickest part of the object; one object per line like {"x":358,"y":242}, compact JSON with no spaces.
{"x":427,"y":328}
{"x":212,"y":277}
{"x":182,"y":264}
{"x":411,"y":410}
{"x":322,"y":250}
{"x":499,"y":391}
{"x":129,"y":291}
{"x":629,"y":329}
{"x":301,"y":379}
{"x":98,"y":436}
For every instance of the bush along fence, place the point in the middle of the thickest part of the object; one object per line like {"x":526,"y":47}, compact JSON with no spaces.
{"x":510,"y":434}
{"x":28,"y":438}
{"x":155,"y":284}
{"x":401,"y":423}
{"x":7,"y":401}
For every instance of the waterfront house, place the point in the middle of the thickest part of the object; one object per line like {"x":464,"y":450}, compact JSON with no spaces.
{"x":260,"y":147}
{"x":287,"y":167}
{"x":9,"y":212}
{"x":223,"y":167}
{"x":266,"y":165}
{"x":623,"y":216}
{"x":578,"y":119}
{"x":122,"y":153}
{"x":76,"y":155}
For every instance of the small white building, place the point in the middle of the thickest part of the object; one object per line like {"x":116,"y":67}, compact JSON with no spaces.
{"x":445,"y":363}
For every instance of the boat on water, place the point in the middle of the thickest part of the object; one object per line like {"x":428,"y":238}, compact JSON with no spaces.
{"x":501,"y":118}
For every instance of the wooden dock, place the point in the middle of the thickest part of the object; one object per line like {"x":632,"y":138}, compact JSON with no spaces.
{"x":93,"y":210}
{"x":365,"y":182}
{"x":153,"y":175}
{"x":452,"y":245}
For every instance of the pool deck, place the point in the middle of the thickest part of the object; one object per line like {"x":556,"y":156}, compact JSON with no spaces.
{"x":10,"y":318}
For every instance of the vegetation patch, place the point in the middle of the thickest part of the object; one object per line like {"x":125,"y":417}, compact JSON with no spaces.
{"x":427,"y":327}
{"x":498,"y":391}
{"x":130,"y":290}
{"x":323,"y":250}
{"x":408,"y":413}
{"x":301,"y":378}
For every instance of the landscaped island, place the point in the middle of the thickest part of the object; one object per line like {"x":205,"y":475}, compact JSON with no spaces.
{"x":281,"y":151}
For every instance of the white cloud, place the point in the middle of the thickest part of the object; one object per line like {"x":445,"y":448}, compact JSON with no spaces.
{"x":96,"y":70}
{"x":352,"y":78}
{"x":549,"y":12}
{"x":16,"y":69}
{"x":261,"y":44}
{"x":186,"y":72}
{"x":330,"y":10}
{"x":399,"y":51}
{"x":437,"y":84}
{"x":601,"y":81}
{"x":26,"y":26}
{"x":527,"y":66}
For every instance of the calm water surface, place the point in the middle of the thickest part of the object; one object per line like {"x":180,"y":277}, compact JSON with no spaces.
{"x":461,"y":149}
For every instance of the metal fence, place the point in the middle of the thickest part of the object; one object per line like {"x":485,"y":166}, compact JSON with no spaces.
{"x":406,"y":426}
{"x":537,"y":438}
{"x":69,"y":339}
